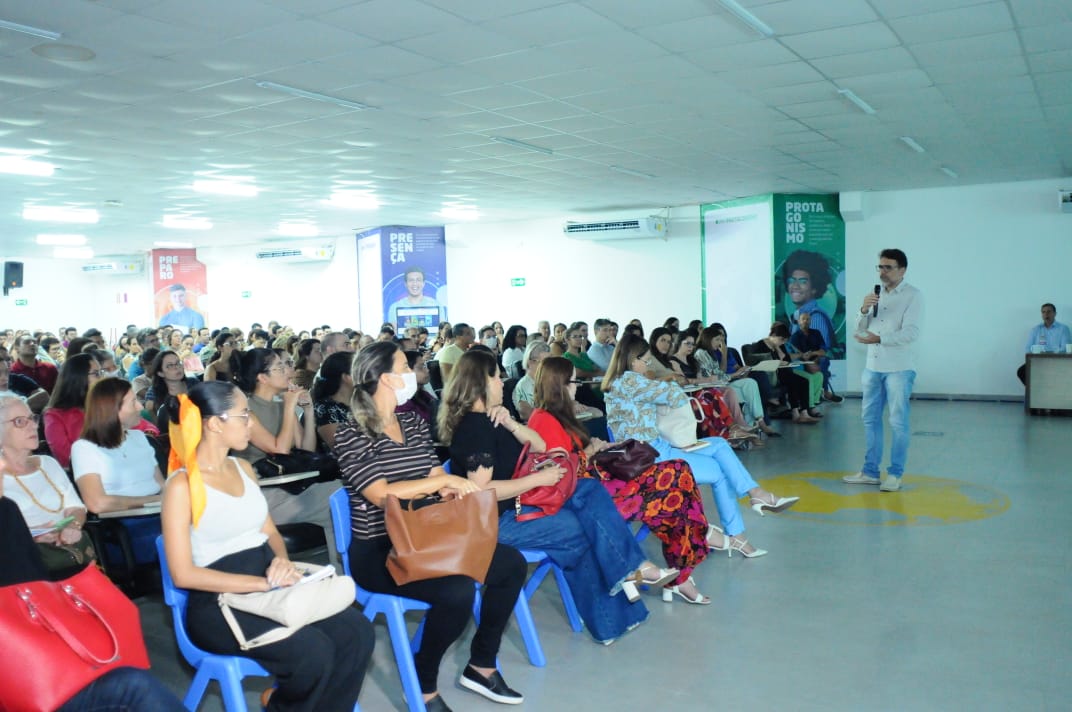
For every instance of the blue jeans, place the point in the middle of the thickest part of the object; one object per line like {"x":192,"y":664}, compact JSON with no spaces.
{"x":716,"y":465}
{"x":121,"y":690}
{"x":879,"y":389}
{"x":595,"y":548}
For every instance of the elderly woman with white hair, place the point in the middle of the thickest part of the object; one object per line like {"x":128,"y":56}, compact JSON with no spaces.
{"x":41,"y":489}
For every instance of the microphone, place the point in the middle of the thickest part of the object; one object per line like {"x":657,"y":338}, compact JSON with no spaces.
{"x":878,"y":291}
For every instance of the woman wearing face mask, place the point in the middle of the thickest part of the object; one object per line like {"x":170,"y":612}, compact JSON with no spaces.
{"x":382,"y":452}
{"x":115,"y":466}
{"x":64,"y":415}
{"x":423,"y":401}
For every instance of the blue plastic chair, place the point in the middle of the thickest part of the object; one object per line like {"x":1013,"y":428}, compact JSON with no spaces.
{"x":228,"y":670}
{"x":393,"y":608}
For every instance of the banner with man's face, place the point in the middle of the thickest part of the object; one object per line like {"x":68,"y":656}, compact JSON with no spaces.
{"x":180,"y":289}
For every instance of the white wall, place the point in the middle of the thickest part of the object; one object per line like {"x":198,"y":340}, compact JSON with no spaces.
{"x":573,"y":280}
{"x":986,"y":257}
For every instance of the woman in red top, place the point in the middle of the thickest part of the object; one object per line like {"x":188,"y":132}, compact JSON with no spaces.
{"x":66,"y":408}
{"x":664,"y":497}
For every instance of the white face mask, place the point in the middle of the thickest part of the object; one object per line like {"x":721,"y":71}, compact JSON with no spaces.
{"x":491,"y":342}
{"x":409,"y":387}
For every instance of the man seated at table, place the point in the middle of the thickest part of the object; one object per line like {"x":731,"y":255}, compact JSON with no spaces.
{"x":1051,"y":336}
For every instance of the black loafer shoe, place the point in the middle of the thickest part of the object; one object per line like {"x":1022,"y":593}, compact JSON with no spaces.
{"x":436,"y":704}
{"x":492,"y":687}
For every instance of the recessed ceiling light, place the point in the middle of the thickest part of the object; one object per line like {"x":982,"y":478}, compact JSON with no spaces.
{"x":186,"y":222}
{"x":64,"y":52}
{"x":58,"y":239}
{"x":352,"y":200}
{"x":949,"y":171}
{"x":25,"y":167}
{"x":860,"y":103}
{"x":226,"y":187}
{"x":297,"y":229}
{"x":747,"y":18}
{"x":73,"y":253}
{"x":49,"y":213}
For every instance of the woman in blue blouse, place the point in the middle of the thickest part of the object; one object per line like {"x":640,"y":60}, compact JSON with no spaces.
{"x":632,"y":398}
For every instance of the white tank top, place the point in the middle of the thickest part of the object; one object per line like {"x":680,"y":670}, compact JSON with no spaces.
{"x":229,"y":524}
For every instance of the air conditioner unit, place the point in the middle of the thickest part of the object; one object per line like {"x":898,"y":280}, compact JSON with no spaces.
{"x":617,"y":229}
{"x":131,"y":264}
{"x":1064,"y":200}
{"x":323,"y":253}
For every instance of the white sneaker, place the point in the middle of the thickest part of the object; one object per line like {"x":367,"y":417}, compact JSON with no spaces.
{"x":890,"y":484}
{"x":860,"y":479}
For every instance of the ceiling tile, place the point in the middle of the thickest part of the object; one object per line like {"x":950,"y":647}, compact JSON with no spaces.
{"x":1029,"y":13}
{"x":747,"y":54}
{"x":967,"y":49}
{"x":380,"y":19}
{"x":698,"y":33}
{"x":903,"y":8}
{"x":633,"y":15}
{"x":962,"y":22}
{"x":1051,"y":61}
{"x":842,"y":40}
{"x":849,"y":65}
{"x":1047,"y":38}
{"x":796,"y":16}
{"x":982,"y":70}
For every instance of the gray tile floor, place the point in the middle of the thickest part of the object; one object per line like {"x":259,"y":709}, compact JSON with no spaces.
{"x":839,"y":616}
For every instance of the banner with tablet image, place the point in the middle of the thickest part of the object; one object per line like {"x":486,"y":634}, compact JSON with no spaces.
{"x":412,"y":265}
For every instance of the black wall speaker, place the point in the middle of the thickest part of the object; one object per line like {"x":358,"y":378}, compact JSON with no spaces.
{"x":12,"y":275}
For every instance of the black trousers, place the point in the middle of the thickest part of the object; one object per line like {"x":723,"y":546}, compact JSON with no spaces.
{"x":451,"y":598}
{"x":320,"y":667}
{"x":796,"y":388}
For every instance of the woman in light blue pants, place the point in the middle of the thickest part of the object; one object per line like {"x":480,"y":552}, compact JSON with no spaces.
{"x":632,"y":399}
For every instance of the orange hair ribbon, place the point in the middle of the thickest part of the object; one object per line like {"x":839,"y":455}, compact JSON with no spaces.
{"x":184,"y":439}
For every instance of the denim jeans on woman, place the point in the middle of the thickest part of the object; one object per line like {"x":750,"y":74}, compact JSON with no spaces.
{"x":596,"y":550}
{"x":716,"y":465}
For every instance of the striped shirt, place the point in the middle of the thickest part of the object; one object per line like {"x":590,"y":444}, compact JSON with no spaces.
{"x":364,"y":460}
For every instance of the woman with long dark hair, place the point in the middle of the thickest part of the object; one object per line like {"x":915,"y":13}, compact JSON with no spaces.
{"x":331,"y":395}
{"x":169,"y":379}
{"x":664,"y":496}
{"x":587,"y":537}
{"x":66,"y":408}
{"x":513,"y":350}
{"x":219,"y":538}
{"x":226,"y":360}
{"x":382,"y":452}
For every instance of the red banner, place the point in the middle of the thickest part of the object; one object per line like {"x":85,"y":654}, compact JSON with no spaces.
{"x":179,"y":281}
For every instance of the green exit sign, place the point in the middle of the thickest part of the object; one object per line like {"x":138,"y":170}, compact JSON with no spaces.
{"x":517,"y":282}
{"x":24,"y":302}
{"x":247,"y":295}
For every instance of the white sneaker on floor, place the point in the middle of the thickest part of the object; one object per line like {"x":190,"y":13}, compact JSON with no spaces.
{"x":860,"y":479}
{"x":890,"y":484}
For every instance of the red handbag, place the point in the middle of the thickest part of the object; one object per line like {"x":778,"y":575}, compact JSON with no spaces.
{"x":717,"y":418}
{"x":549,"y":498}
{"x":59,"y":636}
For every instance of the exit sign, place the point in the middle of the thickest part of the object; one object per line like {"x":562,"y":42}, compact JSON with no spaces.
{"x":24,"y":302}
{"x":517,"y":282}
{"x":247,"y":295}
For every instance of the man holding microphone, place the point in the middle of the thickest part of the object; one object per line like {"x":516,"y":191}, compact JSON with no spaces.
{"x":888,"y":322}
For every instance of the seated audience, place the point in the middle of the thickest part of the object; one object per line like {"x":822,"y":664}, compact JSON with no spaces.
{"x":632,"y":399}
{"x":383,"y":453}
{"x":169,"y":379}
{"x":587,"y":537}
{"x":424,"y":402}
{"x":810,"y":345}
{"x":219,"y":538}
{"x":514,"y":343}
{"x":144,"y":380}
{"x":605,"y":340}
{"x":64,"y":415}
{"x":576,"y":353}
{"x":447,"y":357}
{"x":226,"y":361}
{"x":307,"y":363}
{"x":276,"y":429}
{"x":331,"y":395}
{"x":664,"y":497}
{"x":802,"y":389}
{"x":36,"y":396}
{"x":114,"y":465}
{"x":41,"y":489}
{"x":524,"y":395}
{"x":27,"y":364}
